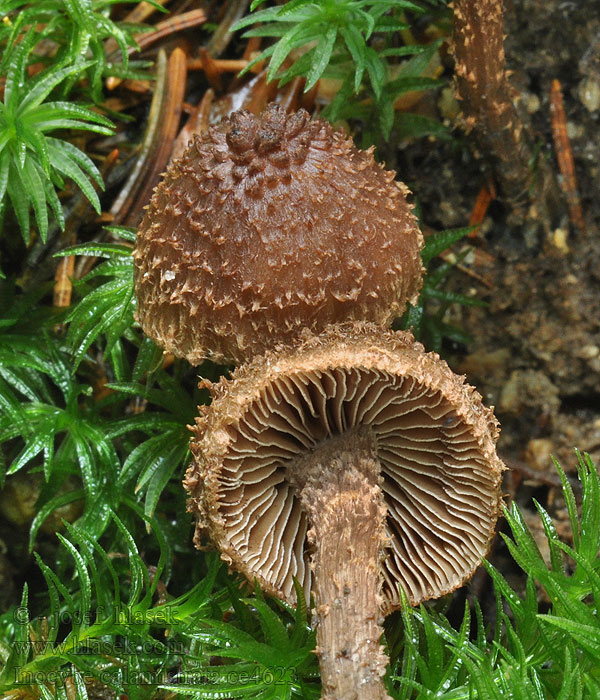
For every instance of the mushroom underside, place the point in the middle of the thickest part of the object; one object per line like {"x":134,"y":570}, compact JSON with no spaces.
{"x":440,"y":493}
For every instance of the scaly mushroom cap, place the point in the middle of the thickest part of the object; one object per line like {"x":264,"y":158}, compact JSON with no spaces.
{"x":435,"y":442}
{"x":267,"y":225}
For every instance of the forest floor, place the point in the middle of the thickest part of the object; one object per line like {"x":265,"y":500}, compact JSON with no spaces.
{"x":535,"y":351}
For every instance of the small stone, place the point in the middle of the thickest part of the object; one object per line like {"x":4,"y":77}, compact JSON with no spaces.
{"x":538,"y":453}
{"x":531,"y":102}
{"x":529,"y":390}
{"x":483,"y":363}
{"x":575,"y":131}
{"x":588,"y":352}
{"x":559,"y":238}
{"x":589,"y":93}
{"x":594,"y":364}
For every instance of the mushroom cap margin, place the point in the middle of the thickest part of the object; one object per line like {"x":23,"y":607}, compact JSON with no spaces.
{"x":344,"y":347}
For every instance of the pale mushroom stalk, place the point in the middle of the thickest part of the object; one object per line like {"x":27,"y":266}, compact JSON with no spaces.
{"x":339,"y":487}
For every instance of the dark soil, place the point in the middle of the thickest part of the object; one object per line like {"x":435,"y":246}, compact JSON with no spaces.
{"x":535,"y":352}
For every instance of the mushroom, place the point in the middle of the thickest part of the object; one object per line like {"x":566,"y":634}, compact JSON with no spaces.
{"x":358,"y":464}
{"x":268,"y":225}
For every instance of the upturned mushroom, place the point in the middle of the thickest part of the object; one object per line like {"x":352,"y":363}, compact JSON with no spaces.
{"x":358,"y":464}
{"x":268,"y":225}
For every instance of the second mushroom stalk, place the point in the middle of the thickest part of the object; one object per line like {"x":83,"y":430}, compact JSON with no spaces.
{"x":275,"y":229}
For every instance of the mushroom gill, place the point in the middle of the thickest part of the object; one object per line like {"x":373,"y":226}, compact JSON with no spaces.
{"x":353,"y":462}
{"x":438,"y":488}
{"x":433,"y":443}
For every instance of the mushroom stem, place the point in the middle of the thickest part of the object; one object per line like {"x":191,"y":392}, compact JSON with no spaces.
{"x":341,"y":493}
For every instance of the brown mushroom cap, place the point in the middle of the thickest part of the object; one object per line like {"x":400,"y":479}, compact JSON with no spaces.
{"x":435,"y":442}
{"x":267,"y":225}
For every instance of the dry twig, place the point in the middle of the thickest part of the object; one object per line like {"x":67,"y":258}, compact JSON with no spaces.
{"x":196,"y":124}
{"x":222,"y":36}
{"x":485,"y":197}
{"x":63,"y":286}
{"x":163,"y":123}
{"x":564,"y":156}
